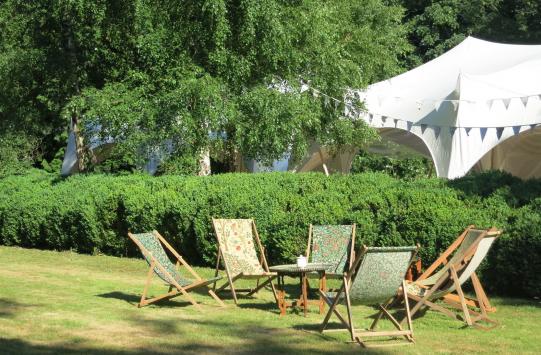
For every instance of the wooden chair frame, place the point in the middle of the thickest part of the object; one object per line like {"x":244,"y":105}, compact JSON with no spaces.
{"x":458,"y":300}
{"x":442,"y":260}
{"x":175,"y":289}
{"x":357,"y":336}
{"x":231,"y":279}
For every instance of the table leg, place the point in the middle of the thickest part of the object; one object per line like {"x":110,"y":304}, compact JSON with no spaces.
{"x":281,"y":296}
{"x":323,"y":288}
{"x":304,"y":293}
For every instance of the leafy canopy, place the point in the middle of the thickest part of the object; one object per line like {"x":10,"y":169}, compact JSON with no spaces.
{"x":149,"y":73}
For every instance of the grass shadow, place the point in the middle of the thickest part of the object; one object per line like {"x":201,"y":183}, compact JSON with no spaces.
{"x":10,"y":308}
{"x":134,"y":299}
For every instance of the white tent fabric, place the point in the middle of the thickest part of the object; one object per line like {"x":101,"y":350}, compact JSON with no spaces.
{"x":463,"y":106}
{"x":318,"y":158}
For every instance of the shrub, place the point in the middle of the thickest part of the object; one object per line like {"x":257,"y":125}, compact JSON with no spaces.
{"x":93,"y":214}
{"x":411,"y":167}
{"x":17,"y":153}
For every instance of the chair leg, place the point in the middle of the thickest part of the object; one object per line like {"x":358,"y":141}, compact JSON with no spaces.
{"x":348,"y":305}
{"x":150,"y":272}
{"x":380,"y":314}
{"x":274,"y":292}
{"x":260,"y":286}
{"x":407,"y":306}
{"x":422,"y":301}
{"x":332,"y":307}
{"x":465,"y":309}
{"x":481,"y":295}
{"x":216,"y":298}
{"x":217,"y":269}
{"x":233,"y":292}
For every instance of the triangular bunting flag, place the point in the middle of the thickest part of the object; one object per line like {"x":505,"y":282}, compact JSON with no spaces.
{"x":506,"y":103}
{"x":516,"y":130}
{"x":532,"y":126}
{"x":452,"y":131}
{"x":437,"y":131}
{"x":483,"y":132}
{"x":304,"y":87}
{"x":395,"y":122}
{"x":499,"y":132}
{"x":383,"y":119}
{"x":524,"y":100}
{"x":336,"y":103}
{"x":409,"y":124}
{"x":326,"y":101}
{"x":467,"y":129}
{"x":370,"y":117}
{"x":455,"y":105}
{"x":490,"y":103}
{"x":423,"y":128}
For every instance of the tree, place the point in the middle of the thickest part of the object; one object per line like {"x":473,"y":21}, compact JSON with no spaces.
{"x":438,"y":25}
{"x":194,"y":75}
{"x":49,"y":51}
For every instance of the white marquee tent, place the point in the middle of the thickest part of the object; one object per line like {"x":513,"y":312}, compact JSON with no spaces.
{"x":477,"y":106}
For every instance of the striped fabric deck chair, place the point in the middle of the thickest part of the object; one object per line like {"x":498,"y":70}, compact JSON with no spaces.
{"x":151,"y":246}
{"x":453,"y":253}
{"x":375,"y":278}
{"x":237,"y":241}
{"x":446,"y":284}
{"x":333,"y":244}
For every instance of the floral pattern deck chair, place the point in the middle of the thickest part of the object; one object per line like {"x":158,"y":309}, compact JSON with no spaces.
{"x":333,"y":244}
{"x":375,"y":278}
{"x":446,"y":283}
{"x":151,"y":246}
{"x":237,"y":241}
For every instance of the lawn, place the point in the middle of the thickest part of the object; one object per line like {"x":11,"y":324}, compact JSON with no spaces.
{"x":63,"y":302}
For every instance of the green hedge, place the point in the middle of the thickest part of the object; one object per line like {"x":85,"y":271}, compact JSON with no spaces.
{"x":92,"y":214}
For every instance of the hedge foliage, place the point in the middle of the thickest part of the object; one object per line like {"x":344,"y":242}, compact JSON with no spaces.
{"x":91,"y":214}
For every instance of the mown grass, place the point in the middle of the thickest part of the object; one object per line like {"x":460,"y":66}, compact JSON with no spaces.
{"x":66,"y":303}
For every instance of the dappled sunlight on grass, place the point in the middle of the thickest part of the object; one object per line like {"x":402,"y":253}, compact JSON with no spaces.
{"x":68,"y":303}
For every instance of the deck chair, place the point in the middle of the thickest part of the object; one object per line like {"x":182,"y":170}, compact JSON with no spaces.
{"x":375,"y":278}
{"x":452,"y":254}
{"x":446,"y":284}
{"x":237,"y":240}
{"x":151,"y":246}
{"x":333,"y":244}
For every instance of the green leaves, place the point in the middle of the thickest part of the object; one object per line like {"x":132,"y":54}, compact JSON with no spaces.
{"x":94,"y":212}
{"x":146,"y":73}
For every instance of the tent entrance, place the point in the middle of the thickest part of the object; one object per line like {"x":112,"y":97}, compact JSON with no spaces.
{"x":518,"y":155}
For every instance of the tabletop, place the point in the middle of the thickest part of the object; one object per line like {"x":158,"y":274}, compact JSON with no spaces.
{"x":293,"y":268}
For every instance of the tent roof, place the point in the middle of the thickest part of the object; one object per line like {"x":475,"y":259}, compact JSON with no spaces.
{"x":489,"y":89}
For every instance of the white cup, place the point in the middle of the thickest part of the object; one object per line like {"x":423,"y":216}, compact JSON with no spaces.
{"x":301,"y":261}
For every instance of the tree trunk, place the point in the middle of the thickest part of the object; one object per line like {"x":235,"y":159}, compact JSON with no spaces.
{"x":204,"y":163}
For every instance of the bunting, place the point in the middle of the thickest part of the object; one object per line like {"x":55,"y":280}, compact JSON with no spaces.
{"x":483,"y":132}
{"x":437,"y":131}
{"x":499,"y":132}
{"x":354,"y":111}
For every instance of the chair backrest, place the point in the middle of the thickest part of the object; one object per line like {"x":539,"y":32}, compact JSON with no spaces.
{"x":465,"y":270}
{"x":150,"y":243}
{"x":332,"y":244}
{"x":379,"y":273}
{"x":236,"y":241}
{"x":471,"y":237}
